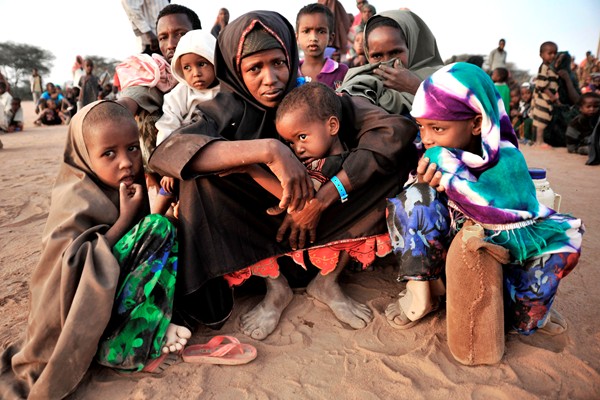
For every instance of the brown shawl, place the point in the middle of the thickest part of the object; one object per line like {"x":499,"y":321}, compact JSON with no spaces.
{"x":73,"y":286}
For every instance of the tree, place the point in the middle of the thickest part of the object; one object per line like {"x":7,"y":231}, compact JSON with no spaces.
{"x":18,"y":59}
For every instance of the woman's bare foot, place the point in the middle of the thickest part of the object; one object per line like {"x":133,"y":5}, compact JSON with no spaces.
{"x":262,"y":320}
{"x":326,"y":289}
{"x":176,"y":338}
{"x":555,"y":324}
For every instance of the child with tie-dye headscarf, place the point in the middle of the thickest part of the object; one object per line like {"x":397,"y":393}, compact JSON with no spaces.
{"x":471,"y":155}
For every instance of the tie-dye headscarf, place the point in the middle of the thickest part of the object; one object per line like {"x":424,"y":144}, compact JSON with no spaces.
{"x":494,"y":188}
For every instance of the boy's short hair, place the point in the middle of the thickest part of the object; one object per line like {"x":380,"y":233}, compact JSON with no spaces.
{"x":545,"y":45}
{"x":171,"y":9}
{"x":320,"y":99}
{"x":502,"y":74}
{"x":588,"y":95}
{"x":316,"y":8}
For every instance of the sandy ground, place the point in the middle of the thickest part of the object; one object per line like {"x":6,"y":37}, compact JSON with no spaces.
{"x":311,"y":355}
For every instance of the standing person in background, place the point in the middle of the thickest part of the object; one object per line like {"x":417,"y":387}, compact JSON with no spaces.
{"x":314,"y":31}
{"x":89,"y":85}
{"x":143,"y":15}
{"x":221,"y":22}
{"x":341,"y":25}
{"x":37,"y":86}
{"x":497,"y":58}
{"x":77,"y":70}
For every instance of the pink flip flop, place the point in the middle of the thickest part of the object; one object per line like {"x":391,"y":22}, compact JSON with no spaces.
{"x":214,"y":352}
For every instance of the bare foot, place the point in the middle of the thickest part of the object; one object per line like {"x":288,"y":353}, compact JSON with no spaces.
{"x":176,"y":338}
{"x":326,"y":289}
{"x":262,"y":320}
{"x":555,"y":324}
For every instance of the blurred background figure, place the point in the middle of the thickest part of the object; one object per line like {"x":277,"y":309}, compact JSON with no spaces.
{"x":143,"y":15}
{"x":221,"y":22}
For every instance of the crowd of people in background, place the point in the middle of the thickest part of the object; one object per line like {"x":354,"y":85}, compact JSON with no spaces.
{"x":541,"y":108}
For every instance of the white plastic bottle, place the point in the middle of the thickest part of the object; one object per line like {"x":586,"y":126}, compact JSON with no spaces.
{"x":543,"y":191}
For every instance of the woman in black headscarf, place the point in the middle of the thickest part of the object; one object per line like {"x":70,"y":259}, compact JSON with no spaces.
{"x":224,"y":228}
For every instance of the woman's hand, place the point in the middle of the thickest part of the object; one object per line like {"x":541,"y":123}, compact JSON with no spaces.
{"x":398,"y":78}
{"x":302,"y":224}
{"x":295,"y":181}
{"x":428,"y":173}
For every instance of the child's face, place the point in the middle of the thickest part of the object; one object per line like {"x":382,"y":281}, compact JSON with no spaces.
{"x":454,"y":134}
{"x":310,"y":140}
{"x":114,"y":149}
{"x":548,"y":54}
{"x":385,"y":43}
{"x":89,"y":67}
{"x":365,"y":13}
{"x":51,"y":104}
{"x":590,"y":107}
{"x":359,"y":41}
{"x":14,"y":106}
{"x":198,"y":72}
{"x":525,"y":94}
{"x":266,"y":75}
{"x":313,"y":34}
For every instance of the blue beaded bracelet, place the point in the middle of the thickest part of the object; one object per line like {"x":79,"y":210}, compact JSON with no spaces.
{"x":340,"y":188}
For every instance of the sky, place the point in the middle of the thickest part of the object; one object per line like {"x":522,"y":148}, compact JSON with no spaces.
{"x":66,"y":27}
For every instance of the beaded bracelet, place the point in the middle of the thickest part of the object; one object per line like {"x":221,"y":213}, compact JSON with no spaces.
{"x":340,"y":188}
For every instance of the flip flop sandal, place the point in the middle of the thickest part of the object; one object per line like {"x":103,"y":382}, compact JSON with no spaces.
{"x":214,"y":352}
{"x":161,"y":363}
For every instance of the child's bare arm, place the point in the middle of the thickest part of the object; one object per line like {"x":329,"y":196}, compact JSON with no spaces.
{"x":131,"y":198}
{"x":268,"y":181}
{"x":428,"y":173}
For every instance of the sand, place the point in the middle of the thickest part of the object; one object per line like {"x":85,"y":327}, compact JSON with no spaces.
{"x":311,"y":355}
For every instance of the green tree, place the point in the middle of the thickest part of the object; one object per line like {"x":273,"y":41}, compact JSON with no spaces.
{"x":18,"y":59}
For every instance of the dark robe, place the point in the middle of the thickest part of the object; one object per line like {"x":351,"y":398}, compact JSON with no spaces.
{"x":223,"y":222}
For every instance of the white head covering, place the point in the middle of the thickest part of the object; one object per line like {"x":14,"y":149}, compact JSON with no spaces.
{"x":198,"y":42}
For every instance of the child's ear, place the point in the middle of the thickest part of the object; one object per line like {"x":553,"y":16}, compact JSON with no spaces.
{"x":333,"y":123}
{"x":477,"y":125}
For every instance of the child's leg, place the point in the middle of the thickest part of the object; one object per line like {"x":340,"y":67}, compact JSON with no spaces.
{"x":419,"y":227}
{"x":144,"y":301}
{"x":530,"y":290}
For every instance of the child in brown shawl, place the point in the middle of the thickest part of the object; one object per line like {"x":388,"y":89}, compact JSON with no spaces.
{"x":97,"y":245}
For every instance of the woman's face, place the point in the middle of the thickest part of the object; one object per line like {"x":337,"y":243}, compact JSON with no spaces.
{"x":266,"y":75}
{"x":386,"y":43}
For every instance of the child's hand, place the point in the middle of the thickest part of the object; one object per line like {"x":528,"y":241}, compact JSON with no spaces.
{"x":428,"y":173}
{"x":131,"y":198}
{"x":168,"y":184}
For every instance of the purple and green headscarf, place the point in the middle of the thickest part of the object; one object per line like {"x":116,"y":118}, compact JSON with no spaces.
{"x":492,"y":188}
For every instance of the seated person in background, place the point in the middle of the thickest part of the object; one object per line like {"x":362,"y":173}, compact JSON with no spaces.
{"x":402,"y":51}
{"x":51,"y":93}
{"x":472,"y":156}
{"x":50,"y":115}
{"x":14,"y":116}
{"x":5,"y":102}
{"x":193,"y":67}
{"x":579,"y":132}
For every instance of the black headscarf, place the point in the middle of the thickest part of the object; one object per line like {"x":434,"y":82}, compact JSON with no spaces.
{"x":228,"y":52}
